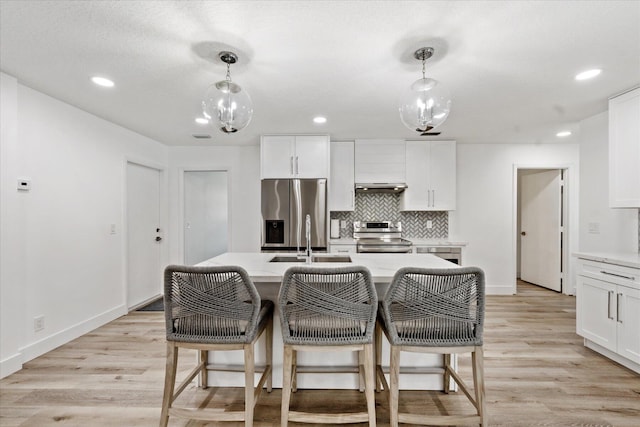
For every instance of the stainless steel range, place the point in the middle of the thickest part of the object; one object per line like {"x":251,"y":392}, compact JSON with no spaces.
{"x":380,"y":236}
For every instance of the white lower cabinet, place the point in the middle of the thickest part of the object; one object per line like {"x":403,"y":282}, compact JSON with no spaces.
{"x":344,"y":248}
{"x":608,"y":310}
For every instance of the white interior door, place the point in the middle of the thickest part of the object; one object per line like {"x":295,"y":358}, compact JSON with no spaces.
{"x":144,"y":234}
{"x":540,"y":225}
{"x":205,"y":215}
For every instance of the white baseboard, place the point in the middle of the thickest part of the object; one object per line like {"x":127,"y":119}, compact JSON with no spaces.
{"x":613,"y":356}
{"x":10,"y":365}
{"x":44,"y":345}
{"x":499,"y":290}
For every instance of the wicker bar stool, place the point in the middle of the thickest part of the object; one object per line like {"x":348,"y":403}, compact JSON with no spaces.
{"x":214,"y":309}
{"x":434,"y":311}
{"x":328,"y":309}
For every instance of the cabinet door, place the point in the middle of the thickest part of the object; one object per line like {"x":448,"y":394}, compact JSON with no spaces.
{"x":417,"y":196}
{"x":344,"y":249}
{"x":628,"y":318}
{"x":379,"y":161}
{"x":431,"y":176}
{"x":624,"y":150}
{"x":341,"y":178}
{"x":596,"y":306}
{"x":277,"y":156}
{"x":311,"y":156}
{"x":442,"y":175}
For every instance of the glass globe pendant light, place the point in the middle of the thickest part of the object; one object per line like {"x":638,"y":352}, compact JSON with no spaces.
{"x":226,"y":103}
{"x":425,"y":105}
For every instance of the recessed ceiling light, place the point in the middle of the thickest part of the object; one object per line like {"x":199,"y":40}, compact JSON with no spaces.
{"x":563,"y":133}
{"x":102,"y":81}
{"x":201,"y":120}
{"x":319,"y":120}
{"x":589,"y":74}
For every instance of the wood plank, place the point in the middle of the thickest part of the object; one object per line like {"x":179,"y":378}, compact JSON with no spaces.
{"x":537,"y":372}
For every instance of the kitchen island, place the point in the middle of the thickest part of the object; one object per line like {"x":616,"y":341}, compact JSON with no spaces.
{"x":267,"y":277}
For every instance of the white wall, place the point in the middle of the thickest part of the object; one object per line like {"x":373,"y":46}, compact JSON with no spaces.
{"x":618,"y":228}
{"x":486,"y":213}
{"x":243,"y":166}
{"x":12,"y":226}
{"x":71,"y":270}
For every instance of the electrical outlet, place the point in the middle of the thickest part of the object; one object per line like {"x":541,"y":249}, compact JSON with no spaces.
{"x":429,"y":224}
{"x":112,"y":229}
{"x":38,"y":323}
{"x":343,"y":224}
{"x":594,"y":228}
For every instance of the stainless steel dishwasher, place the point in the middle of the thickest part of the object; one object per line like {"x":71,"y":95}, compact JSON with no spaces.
{"x":450,"y":253}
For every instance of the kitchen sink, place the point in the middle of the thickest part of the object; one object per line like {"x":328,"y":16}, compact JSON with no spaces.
{"x":315,"y":258}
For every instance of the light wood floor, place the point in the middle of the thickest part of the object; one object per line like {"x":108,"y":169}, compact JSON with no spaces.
{"x":537,"y":374}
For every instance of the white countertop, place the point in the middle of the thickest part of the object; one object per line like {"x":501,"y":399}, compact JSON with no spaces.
{"x":382,"y":266}
{"x":627,"y":259}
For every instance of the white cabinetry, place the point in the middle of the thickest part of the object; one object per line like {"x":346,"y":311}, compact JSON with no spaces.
{"x":379,"y":161}
{"x":431,"y":176}
{"x":624,"y":150}
{"x":608,"y":310}
{"x":341,"y":178}
{"x":344,"y":248}
{"x":294,"y":156}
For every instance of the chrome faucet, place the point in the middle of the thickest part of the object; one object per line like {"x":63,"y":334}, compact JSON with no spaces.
{"x":308,"y":235}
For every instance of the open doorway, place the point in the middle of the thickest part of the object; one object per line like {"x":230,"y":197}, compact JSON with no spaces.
{"x":541,"y":234}
{"x":206,"y":218}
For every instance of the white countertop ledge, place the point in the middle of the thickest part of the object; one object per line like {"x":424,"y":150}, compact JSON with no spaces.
{"x":626,"y":259}
{"x":382,"y":266}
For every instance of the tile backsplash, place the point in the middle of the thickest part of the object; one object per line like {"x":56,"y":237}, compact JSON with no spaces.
{"x":386,"y":206}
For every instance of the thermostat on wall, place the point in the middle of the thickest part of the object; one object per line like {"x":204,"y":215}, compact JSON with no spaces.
{"x":24,"y":184}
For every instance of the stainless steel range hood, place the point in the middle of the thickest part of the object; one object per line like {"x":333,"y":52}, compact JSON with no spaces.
{"x":380,"y":187}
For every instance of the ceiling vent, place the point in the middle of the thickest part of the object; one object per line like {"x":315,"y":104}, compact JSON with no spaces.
{"x":201,"y":136}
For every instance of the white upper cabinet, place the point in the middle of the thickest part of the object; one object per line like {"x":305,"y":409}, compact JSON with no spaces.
{"x":624,"y":150}
{"x":294,"y":156}
{"x":431,"y":176}
{"x":341,"y":179}
{"x":379,"y":161}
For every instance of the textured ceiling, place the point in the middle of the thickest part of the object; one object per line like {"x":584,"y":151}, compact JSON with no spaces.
{"x":509,"y":65}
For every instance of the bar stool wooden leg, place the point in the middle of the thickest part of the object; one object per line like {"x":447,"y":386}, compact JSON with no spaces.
{"x":369,"y":378}
{"x":478,"y":384}
{"x":394,"y":380}
{"x":204,"y":373}
{"x":169,"y":382}
{"x":446,"y":359}
{"x":378,"y":365}
{"x":249,"y":371}
{"x":287,"y":368}
{"x":269,"y":350}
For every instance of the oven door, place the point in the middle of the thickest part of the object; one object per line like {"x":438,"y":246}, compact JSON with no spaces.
{"x":365,"y":246}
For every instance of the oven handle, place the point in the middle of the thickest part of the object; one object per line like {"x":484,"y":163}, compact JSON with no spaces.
{"x":383,"y":249}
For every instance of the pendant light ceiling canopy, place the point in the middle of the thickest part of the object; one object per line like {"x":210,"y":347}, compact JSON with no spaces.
{"x":425,"y":104}
{"x":226,"y":104}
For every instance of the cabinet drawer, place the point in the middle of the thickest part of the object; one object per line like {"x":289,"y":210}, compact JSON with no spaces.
{"x":611,"y":273}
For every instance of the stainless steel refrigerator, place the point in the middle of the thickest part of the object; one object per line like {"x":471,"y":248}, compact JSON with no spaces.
{"x":285,"y":205}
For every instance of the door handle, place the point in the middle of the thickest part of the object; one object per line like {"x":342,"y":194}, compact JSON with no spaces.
{"x":523,"y":233}
{"x":618,"y":318}
{"x":609,"y":316}
{"x":617,"y":275}
{"x":158,"y":238}
{"x":297,"y":169}
{"x":433,"y":198}
{"x":291,"y":161}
